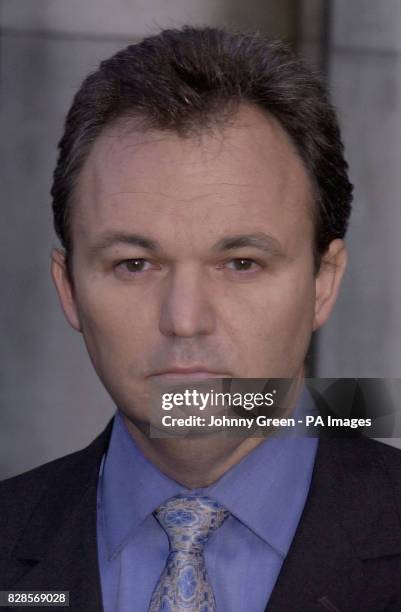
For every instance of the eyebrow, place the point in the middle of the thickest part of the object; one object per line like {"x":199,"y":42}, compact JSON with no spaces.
{"x":258,"y":240}
{"x":115,"y":238}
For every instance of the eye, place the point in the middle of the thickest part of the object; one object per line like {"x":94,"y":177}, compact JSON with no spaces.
{"x":134,"y":266}
{"x":242,"y":264}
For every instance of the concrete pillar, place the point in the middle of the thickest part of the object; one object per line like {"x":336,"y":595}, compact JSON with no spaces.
{"x":363,"y":337}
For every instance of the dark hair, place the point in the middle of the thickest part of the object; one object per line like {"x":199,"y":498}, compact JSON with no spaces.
{"x":188,"y":79}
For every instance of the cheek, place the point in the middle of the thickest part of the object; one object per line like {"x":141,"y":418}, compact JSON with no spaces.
{"x":116,"y":328}
{"x":272,"y":323}
{"x":294,"y":324}
{"x":275,"y":304}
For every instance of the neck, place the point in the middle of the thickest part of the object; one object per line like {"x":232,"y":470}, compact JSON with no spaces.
{"x":198,"y":461}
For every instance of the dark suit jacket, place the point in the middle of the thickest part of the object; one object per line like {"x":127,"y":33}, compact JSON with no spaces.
{"x":346,"y":554}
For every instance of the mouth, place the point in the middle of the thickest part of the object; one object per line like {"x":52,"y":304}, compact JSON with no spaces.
{"x":195,"y":373}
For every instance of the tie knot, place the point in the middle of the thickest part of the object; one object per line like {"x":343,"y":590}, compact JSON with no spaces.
{"x":189,"y":520}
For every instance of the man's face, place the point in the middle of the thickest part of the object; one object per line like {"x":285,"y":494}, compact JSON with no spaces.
{"x":194,"y":253}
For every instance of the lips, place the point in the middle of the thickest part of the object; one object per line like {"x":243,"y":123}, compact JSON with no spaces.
{"x":195,"y":373}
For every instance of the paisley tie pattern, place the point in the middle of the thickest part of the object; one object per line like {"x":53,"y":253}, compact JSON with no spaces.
{"x":189,"y":521}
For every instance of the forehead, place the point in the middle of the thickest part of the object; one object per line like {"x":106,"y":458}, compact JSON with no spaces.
{"x":242,"y":174}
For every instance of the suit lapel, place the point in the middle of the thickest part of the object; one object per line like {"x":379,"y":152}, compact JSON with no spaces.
{"x":349,"y":517}
{"x":59,"y":545}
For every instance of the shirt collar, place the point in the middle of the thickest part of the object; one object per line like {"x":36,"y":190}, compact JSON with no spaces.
{"x":266,"y":491}
{"x":131,"y":488}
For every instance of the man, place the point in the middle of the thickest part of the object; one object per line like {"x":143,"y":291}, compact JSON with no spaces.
{"x":201,"y":198}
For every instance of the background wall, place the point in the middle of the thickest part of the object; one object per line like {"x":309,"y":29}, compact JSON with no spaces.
{"x":363,"y":337}
{"x":51,"y":401}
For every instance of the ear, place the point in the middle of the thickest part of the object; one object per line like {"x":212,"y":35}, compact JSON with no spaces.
{"x":328,"y":281}
{"x":64,"y":288}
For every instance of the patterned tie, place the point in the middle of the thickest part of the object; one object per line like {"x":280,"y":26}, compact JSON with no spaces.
{"x":189,"y":521}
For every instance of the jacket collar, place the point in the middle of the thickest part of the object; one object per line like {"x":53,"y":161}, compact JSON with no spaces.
{"x":59,"y":544}
{"x":349,"y":517}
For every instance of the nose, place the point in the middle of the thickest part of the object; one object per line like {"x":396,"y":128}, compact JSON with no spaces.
{"x":187,"y":304}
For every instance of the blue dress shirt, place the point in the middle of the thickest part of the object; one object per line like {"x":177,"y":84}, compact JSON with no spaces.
{"x":265,"y":493}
